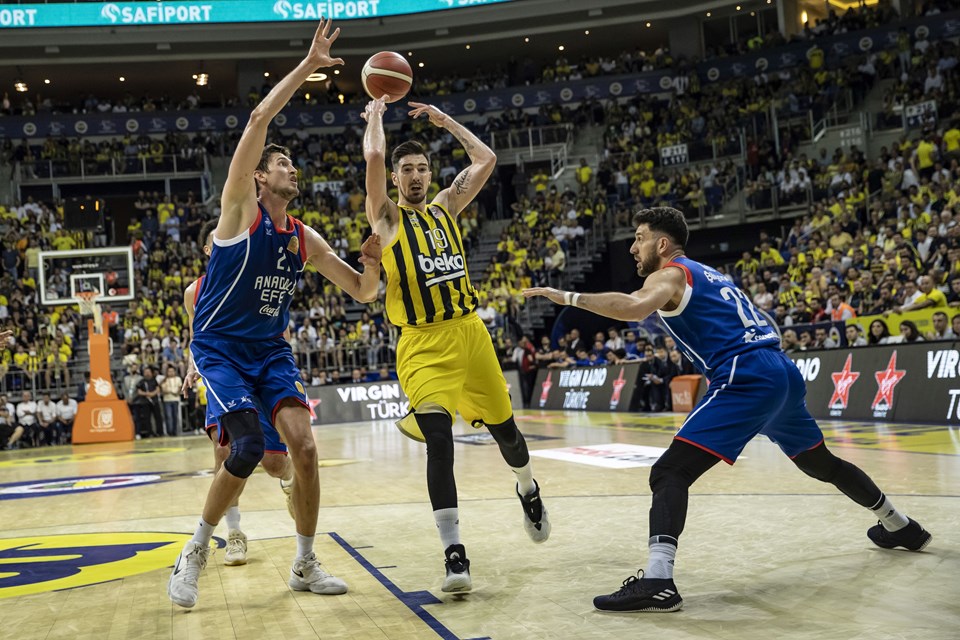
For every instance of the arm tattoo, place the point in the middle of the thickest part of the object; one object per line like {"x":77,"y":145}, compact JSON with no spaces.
{"x":467,"y":145}
{"x":462,"y":182}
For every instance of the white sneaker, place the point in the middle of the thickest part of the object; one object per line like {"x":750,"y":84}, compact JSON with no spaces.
{"x":536,"y":521}
{"x":182,"y":588}
{"x":287,"y":488}
{"x":236,"y":549}
{"x":306,"y":575}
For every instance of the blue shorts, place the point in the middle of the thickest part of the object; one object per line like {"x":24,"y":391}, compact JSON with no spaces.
{"x":273,"y":443}
{"x":247,"y":375}
{"x":757,"y":392}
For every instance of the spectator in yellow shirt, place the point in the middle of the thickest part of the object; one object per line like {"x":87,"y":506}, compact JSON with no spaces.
{"x":930,"y":296}
{"x":924,"y":157}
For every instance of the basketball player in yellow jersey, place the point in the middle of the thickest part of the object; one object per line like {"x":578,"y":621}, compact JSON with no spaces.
{"x":275,"y":460}
{"x":445,"y":357}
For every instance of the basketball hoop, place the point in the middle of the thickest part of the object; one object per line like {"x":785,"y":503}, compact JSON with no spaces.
{"x":87,"y":301}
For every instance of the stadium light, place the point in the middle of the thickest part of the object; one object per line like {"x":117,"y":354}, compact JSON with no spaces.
{"x":20,"y":86}
{"x":203,"y":79}
{"x":316,"y":77}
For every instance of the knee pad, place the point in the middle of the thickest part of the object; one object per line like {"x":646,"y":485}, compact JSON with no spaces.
{"x":819,"y":464}
{"x":513,"y":446}
{"x":408,"y":424}
{"x":246,"y":442}
{"x":663,"y":475}
{"x":439,"y":445}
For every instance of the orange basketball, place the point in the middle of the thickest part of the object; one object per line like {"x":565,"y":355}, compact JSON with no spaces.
{"x":387,"y":74}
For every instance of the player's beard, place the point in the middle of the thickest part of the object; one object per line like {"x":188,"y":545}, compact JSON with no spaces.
{"x":648,"y":265}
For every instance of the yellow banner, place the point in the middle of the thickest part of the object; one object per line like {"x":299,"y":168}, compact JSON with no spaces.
{"x":922,"y":318}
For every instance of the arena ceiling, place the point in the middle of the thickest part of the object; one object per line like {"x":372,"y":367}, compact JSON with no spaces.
{"x":91,"y":60}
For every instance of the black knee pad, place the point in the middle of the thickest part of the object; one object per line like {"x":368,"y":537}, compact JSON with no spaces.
{"x":437,"y":429}
{"x":513,"y":447}
{"x":662,"y":475}
{"x":819,"y":463}
{"x":680,"y":466}
{"x":246,"y":442}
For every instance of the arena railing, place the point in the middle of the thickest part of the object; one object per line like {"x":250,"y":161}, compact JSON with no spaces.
{"x":129,"y":167}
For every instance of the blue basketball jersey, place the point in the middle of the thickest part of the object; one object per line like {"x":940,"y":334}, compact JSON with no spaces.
{"x":250,"y":282}
{"x":715,"y":320}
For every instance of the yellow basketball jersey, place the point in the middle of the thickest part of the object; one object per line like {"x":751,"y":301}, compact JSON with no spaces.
{"x":426,"y":268}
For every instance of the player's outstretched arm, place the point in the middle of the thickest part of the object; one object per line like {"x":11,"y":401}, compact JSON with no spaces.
{"x":192,"y":375}
{"x":378,"y":205}
{"x":239,"y":198}
{"x":362,"y":287}
{"x":468,"y":183}
{"x":660,"y":288}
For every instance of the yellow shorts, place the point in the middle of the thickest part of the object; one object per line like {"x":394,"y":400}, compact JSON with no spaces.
{"x":453,"y":364}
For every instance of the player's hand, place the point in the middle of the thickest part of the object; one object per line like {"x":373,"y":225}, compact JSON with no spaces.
{"x":437,"y":118}
{"x":371,"y":252}
{"x":375,"y":109}
{"x":551,"y":294}
{"x":319,"y":54}
{"x":188,"y":382}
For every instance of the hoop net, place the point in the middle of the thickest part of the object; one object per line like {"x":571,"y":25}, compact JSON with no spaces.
{"x":87,"y":301}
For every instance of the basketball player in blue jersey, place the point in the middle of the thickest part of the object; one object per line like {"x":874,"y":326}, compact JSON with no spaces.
{"x":275,"y":460}
{"x":445,"y":357}
{"x":242,"y":311}
{"x":754,"y":388}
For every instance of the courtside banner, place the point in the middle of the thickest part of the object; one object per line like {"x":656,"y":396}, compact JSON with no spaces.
{"x":918,"y":382}
{"x":366,"y":401}
{"x":130,"y":14}
{"x":586,"y":388}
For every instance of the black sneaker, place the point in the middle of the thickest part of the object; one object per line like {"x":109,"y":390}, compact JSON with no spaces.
{"x":458,"y":570}
{"x":912,"y":537}
{"x":639,"y":594}
{"x":536,"y":522}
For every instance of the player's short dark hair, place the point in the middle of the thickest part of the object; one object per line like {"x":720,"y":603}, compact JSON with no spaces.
{"x":268,"y":152}
{"x":205,"y":231}
{"x":408,"y":148}
{"x":666,"y":220}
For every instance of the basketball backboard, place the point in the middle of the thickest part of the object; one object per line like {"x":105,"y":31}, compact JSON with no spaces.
{"x":64,"y":273}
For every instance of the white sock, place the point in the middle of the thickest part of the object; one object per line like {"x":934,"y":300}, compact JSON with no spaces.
{"x":525,"y":483}
{"x":662,"y":554}
{"x":233,"y":518}
{"x":203,"y":533}
{"x":304,"y":545}
{"x":891,"y":519}
{"x":448,"y":523}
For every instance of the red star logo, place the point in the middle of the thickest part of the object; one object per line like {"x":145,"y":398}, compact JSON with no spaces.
{"x":618,"y":385}
{"x":313,"y":404}
{"x":842,"y":382}
{"x":886,"y":381}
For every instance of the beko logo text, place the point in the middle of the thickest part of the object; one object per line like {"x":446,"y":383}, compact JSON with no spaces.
{"x":943,"y":364}
{"x":444,"y":262}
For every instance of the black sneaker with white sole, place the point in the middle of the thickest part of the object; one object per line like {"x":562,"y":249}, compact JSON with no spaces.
{"x":458,"y":570}
{"x":639,"y":594}
{"x":912,"y":537}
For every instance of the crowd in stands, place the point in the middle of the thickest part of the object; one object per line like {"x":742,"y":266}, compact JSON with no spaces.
{"x":925,"y":71}
{"x":658,"y":359}
{"x":896,"y":252}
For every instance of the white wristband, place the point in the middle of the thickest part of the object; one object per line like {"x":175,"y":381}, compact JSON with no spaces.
{"x":567,"y":296}
{"x":575,"y":299}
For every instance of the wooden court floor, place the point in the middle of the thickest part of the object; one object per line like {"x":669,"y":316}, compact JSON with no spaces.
{"x":87,"y":536}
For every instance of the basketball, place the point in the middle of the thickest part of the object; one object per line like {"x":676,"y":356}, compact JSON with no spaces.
{"x":387,"y":74}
